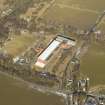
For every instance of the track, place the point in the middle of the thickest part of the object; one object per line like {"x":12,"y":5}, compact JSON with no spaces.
{"x":77,"y":8}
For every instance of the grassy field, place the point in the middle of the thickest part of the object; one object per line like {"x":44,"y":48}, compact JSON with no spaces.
{"x":19,"y":44}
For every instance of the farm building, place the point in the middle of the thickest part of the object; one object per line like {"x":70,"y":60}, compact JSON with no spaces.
{"x":48,"y":53}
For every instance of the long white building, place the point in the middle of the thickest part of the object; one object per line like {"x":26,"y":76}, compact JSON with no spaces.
{"x":57,"y":41}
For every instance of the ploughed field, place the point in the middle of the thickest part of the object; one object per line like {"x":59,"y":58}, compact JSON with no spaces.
{"x":82,"y":14}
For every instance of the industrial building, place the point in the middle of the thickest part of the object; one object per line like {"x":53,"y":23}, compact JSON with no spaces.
{"x":58,"y":42}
